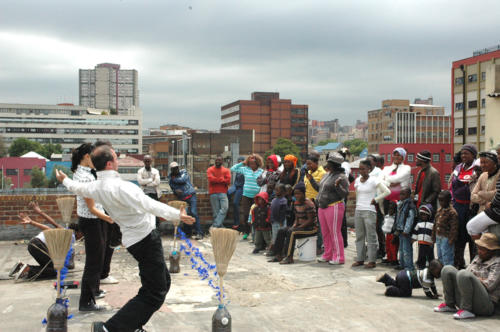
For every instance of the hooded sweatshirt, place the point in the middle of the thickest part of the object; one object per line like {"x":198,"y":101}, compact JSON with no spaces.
{"x":261,"y":215}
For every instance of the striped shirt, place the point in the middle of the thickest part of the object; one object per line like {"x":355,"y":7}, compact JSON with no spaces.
{"x":423,"y":232}
{"x":250,"y":188}
{"x":302,"y":211}
{"x":83,"y":174}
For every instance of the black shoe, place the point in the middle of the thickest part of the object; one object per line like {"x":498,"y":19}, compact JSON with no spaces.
{"x":97,"y":327}
{"x":101,"y":294}
{"x":91,"y":307}
{"x":382,"y":277}
{"x":255,"y":251}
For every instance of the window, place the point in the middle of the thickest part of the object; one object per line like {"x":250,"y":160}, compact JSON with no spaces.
{"x":472,"y":78}
{"x":388,"y":157}
{"x":472,"y":104}
{"x":459,"y":81}
{"x":27,"y":172}
{"x":472,"y":131}
{"x":459,"y":131}
{"x":11,"y":171}
{"x":483,"y":103}
{"x":459,"y":106}
{"x":411,"y":157}
{"x":482,"y":130}
{"x":447,"y":157}
{"x":447,"y":178}
{"x":483,"y":76}
{"x":435,"y":157}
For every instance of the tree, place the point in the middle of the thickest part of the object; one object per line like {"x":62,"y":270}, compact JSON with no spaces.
{"x":3,"y":149}
{"x":48,"y":149}
{"x":356,"y":146}
{"x":38,"y":179}
{"x":283,"y":147}
{"x":52,"y":181}
{"x":325,"y":141}
{"x":23,"y":145}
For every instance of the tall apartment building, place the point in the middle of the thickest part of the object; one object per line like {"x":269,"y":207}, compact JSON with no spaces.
{"x":270,"y":117}
{"x":479,"y":77}
{"x":70,"y":126}
{"x":400,"y":122}
{"x":109,"y":87}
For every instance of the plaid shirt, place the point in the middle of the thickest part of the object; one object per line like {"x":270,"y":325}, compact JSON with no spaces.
{"x":489,"y":273}
{"x":445,"y":224}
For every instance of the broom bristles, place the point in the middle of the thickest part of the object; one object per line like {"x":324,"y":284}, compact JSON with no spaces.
{"x":65,"y":205}
{"x":58,"y":242}
{"x":178,"y":205}
{"x":223,"y":244}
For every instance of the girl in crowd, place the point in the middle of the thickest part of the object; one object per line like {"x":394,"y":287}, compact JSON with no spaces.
{"x":290,"y":174}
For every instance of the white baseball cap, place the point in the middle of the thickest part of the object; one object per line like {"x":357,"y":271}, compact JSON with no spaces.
{"x":174,"y":164}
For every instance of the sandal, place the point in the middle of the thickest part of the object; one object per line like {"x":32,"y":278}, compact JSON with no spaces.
{"x":357,"y":263}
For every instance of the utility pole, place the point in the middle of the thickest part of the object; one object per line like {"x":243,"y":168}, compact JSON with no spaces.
{"x":464,"y":100}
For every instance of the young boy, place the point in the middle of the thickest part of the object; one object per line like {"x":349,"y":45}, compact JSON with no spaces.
{"x":278,"y":211}
{"x":391,"y":246}
{"x":405,"y":217}
{"x":261,"y":221}
{"x":407,"y":280}
{"x":445,"y":230}
{"x":423,"y":235}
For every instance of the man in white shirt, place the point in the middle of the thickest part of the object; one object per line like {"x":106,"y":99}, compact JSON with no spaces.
{"x":149,"y":179}
{"x":133,"y":211}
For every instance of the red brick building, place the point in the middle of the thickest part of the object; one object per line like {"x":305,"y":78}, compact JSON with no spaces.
{"x":270,"y":117}
{"x":18,"y":169}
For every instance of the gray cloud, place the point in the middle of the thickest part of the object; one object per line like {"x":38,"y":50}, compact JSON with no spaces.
{"x":341,"y":58}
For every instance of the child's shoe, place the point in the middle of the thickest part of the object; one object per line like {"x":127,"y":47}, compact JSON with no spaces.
{"x":463,"y":314}
{"x":443,"y":307}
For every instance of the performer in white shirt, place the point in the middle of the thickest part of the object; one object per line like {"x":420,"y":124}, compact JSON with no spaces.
{"x":134,"y":212}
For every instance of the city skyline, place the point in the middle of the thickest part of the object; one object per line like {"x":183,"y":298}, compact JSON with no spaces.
{"x":341,"y":58}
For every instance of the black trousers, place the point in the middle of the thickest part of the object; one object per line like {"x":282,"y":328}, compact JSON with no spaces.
{"x":380,"y":233}
{"x":285,"y":240}
{"x":112,"y":236}
{"x":246,"y":204}
{"x":38,"y":250}
{"x":155,"y":281}
{"x":401,"y":287}
{"x":94,"y":232}
{"x":425,"y":255}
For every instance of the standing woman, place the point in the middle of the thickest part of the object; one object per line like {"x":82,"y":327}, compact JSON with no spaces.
{"x":91,"y":221}
{"x":365,"y":215}
{"x":333,"y":189}
{"x":290,"y":174}
{"x":461,"y":193}
{"x":250,"y":168}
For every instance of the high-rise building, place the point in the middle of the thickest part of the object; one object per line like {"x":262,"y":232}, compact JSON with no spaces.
{"x":270,"y":117}
{"x":479,"y":77}
{"x":400,"y":122}
{"x":109,"y":87}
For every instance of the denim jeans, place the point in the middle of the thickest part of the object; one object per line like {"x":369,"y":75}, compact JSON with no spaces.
{"x":238,"y":193}
{"x":445,"y":250}
{"x":220,"y":204}
{"x":193,"y":213}
{"x":155,"y":283}
{"x":406,"y":252}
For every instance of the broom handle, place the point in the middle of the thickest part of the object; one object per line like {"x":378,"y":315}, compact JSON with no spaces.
{"x":221,"y":283}
{"x":175,"y":235}
{"x":58,"y":283}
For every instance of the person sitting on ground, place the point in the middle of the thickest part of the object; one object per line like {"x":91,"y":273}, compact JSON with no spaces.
{"x":305,"y":225}
{"x":475,"y":290}
{"x":261,"y":222}
{"x":445,"y":229}
{"x":37,"y":247}
{"x":423,"y":235}
{"x":405,"y":217}
{"x":405,"y":281}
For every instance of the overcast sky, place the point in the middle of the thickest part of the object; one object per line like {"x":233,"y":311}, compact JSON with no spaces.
{"x":342,"y":58}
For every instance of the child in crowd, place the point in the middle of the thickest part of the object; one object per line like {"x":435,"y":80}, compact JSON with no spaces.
{"x":261,"y":222}
{"x":445,"y":230}
{"x":290,"y":217}
{"x":391,"y":242}
{"x":278,"y":212}
{"x":423,"y":235}
{"x":407,"y":280}
{"x":270,"y":191}
{"x":404,"y":224}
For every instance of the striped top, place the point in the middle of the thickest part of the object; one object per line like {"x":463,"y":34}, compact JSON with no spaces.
{"x":83,"y":174}
{"x":423,"y":232}
{"x":250,"y":188}
{"x":302,"y":212}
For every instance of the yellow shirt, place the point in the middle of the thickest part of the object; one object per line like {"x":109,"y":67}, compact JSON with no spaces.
{"x":317,"y":175}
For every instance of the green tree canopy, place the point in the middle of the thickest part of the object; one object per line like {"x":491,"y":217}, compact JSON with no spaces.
{"x":356,"y":146}
{"x":3,"y":149}
{"x":326,"y":141}
{"x":52,"y":181}
{"x":38,"y":179}
{"x":23,"y":145}
{"x":283,"y":147}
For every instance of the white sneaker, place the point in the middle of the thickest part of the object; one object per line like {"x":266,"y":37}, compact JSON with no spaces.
{"x":335,"y":263}
{"x":463,"y":314}
{"x":109,"y":280}
{"x":322,"y":260}
{"x":15,"y":269}
{"x":444,"y":308}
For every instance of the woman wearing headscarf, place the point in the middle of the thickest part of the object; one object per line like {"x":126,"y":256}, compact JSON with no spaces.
{"x":290,"y":174}
{"x":333,"y":189}
{"x":461,"y":180}
{"x":271,"y":175}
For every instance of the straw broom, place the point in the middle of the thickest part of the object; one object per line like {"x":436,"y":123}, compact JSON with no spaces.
{"x":65,"y":205}
{"x":178,"y":205}
{"x":58,"y":242}
{"x":223,"y":243}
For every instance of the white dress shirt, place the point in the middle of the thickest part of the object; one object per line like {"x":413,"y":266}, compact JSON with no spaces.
{"x":149,"y":180}
{"x":125,"y":203}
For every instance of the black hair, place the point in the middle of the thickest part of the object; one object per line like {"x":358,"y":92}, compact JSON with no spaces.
{"x":314,"y":157}
{"x":101,"y":143}
{"x":366,"y":162}
{"x":445,"y":194}
{"x":100,"y":157}
{"x":457,"y":158}
{"x":435,"y":264}
{"x":78,"y":154}
{"x":281,"y":187}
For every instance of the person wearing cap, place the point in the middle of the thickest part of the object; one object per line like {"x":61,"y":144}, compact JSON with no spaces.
{"x":423,"y":235}
{"x":181,"y":185}
{"x":149,"y":179}
{"x":333,"y":189}
{"x":219,"y":179}
{"x":461,"y":180}
{"x":237,"y":191}
{"x":428,"y":184}
{"x":475,"y":290}
{"x":397,"y":175}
